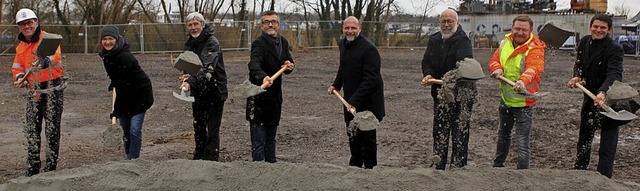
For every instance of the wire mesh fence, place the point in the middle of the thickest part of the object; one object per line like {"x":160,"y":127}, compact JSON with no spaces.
{"x":164,"y":37}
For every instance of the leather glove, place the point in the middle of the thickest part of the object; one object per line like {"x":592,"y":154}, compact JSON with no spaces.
{"x":45,"y":62}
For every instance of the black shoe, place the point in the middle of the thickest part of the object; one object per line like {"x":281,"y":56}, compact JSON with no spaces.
{"x":29,"y":173}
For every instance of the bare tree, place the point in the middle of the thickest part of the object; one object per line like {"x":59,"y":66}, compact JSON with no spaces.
{"x":621,"y":9}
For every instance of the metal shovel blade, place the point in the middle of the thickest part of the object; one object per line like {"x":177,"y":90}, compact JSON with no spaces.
{"x":365,"y":121}
{"x":247,"y":89}
{"x":620,"y":115}
{"x":183,"y":96}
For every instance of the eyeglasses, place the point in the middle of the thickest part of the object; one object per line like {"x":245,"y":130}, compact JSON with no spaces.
{"x":273,"y":22}
{"x":448,"y":21}
{"x":26,"y":23}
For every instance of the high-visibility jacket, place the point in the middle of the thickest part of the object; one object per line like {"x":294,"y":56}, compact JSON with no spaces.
{"x":26,"y":55}
{"x":524,"y":62}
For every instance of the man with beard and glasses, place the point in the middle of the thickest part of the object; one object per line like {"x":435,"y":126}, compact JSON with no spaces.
{"x":444,"y":50}
{"x":269,"y":53}
{"x":361,"y":82}
{"x":208,"y":87}
{"x":520,"y":58}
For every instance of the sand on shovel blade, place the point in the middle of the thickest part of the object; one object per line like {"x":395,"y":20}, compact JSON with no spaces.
{"x":365,"y":121}
{"x":620,"y":91}
{"x":247,"y":89}
{"x":112,"y":136}
{"x":470,"y":69}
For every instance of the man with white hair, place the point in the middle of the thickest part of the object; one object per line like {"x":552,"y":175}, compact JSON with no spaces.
{"x":444,"y":50}
{"x":208,"y":87}
{"x":46,"y":89}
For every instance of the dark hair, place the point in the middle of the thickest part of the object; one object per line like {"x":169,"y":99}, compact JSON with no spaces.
{"x":269,"y":12}
{"x":524,"y":18}
{"x":602,"y":17}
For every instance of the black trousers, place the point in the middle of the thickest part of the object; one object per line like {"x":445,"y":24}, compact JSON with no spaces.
{"x":264,"y":129}
{"x":363,"y":149}
{"x":206,"y":126}
{"x":45,"y":107}
{"x":590,"y":121}
{"x":448,"y":122}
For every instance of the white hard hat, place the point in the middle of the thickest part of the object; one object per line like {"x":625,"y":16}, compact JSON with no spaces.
{"x":24,"y":14}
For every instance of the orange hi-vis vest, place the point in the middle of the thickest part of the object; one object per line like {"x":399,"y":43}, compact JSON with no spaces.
{"x":26,"y":55}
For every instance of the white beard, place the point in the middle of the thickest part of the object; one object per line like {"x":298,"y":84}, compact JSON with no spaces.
{"x":447,"y":36}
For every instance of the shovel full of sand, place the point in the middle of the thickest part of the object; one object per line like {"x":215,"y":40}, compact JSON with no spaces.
{"x":523,"y":91}
{"x":247,"y":89}
{"x":365,"y":120}
{"x":468,"y":69}
{"x":621,"y":115}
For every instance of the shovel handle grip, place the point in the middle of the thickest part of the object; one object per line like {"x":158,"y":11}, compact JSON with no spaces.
{"x":113,"y":105}
{"x":346,"y":104}
{"x":592,"y":96}
{"x":25,"y":77}
{"x":276,"y":75}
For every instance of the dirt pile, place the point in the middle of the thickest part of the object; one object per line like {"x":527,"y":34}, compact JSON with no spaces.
{"x":203,"y":175}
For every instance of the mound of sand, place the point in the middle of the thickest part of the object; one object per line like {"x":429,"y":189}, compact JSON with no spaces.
{"x":240,"y":175}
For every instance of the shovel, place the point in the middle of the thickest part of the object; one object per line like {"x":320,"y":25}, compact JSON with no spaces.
{"x":467,"y":70}
{"x":524,"y":92}
{"x":620,"y":116}
{"x":183,"y":96}
{"x":247,"y":89}
{"x":365,"y":120}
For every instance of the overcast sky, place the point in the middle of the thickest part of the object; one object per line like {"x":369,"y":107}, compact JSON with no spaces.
{"x":633,"y":5}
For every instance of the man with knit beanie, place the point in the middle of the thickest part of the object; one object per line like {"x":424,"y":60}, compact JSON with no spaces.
{"x":43,"y":77}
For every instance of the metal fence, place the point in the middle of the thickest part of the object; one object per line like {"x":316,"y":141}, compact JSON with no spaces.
{"x":160,"y":37}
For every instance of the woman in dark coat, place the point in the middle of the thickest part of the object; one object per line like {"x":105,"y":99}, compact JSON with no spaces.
{"x":134,"y":94}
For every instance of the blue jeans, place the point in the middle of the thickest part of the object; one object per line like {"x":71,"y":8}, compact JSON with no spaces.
{"x":522,"y":118}
{"x":263,"y":141}
{"x":132,"y":134}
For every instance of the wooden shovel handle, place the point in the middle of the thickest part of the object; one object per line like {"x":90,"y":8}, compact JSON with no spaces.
{"x":113,"y":105}
{"x":343,"y":101}
{"x":506,"y":80}
{"x":435,"y":81}
{"x":284,"y":67}
{"x":592,"y":96}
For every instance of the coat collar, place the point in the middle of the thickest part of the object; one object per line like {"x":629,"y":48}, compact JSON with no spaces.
{"x":271,"y":47}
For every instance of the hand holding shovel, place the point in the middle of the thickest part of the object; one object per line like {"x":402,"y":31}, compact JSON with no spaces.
{"x":521,"y":90}
{"x":365,"y":121}
{"x":620,"y":116}
{"x":247,"y":89}
{"x":183,"y":89}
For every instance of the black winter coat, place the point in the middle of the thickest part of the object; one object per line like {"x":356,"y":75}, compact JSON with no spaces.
{"x":207,"y":91}
{"x":359,"y":77}
{"x":134,"y":93}
{"x":441,"y":56}
{"x":600,"y":67}
{"x":265,"y":61}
